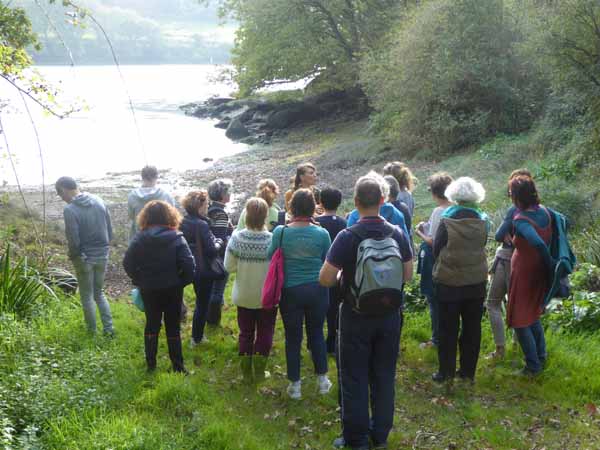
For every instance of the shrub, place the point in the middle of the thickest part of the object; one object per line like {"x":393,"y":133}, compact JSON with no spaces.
{"x":586,"y":278}
{"x":452,"y":75}
{"x":22,"y":287}
{"x":580,"y":313}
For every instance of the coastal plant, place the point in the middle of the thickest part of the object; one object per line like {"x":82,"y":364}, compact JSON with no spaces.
{"x":22,"y":288}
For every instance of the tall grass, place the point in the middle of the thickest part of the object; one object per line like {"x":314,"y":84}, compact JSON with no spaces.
{"x":22,"y":287}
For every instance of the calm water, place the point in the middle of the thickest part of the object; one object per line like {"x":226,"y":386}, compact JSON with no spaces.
{"x":103,"y":138}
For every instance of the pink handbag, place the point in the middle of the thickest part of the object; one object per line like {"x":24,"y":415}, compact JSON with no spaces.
{"x":273,"y":286}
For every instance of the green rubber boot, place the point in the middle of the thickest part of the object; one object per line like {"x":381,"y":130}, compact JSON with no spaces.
{"x":260,"y":364}
{"x":246,"y":366}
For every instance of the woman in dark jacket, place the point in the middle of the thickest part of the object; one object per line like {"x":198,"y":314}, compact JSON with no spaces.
{"x":195,"y":225}
{"x":160,"y":263}
{"x":460,"y":277}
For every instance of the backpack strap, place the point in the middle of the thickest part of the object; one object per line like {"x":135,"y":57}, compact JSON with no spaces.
{"x":357,"y":231}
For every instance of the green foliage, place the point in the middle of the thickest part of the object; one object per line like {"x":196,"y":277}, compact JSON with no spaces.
{"x":451,"y":75}
{"x":579,"y":314}
{"x":588,"y":248}
{"x":295,"y":39}
{"x":22,"y":288}
{"x":15,"y":36}
{"x":586,"y":278}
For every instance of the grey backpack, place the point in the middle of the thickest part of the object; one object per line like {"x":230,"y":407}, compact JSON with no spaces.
{"x":379,"y":278}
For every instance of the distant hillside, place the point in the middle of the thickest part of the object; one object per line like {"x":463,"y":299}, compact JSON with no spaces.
{"x":141,"y":31}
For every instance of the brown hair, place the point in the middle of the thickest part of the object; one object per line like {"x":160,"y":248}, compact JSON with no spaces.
{"x":194,"y":200}
{"x":301,"y":170}
{"x":520,"y":172}
{"x":393,"y":168}
{"x":438,"y":182}
{"x":303,"y":203}
{"x":401,"y":173}
{"x":149,"y":173}
{"x":256,"y":213}
{"x":268,"y":190}
{"x":158,"y":213}
{"x":523,"y":192}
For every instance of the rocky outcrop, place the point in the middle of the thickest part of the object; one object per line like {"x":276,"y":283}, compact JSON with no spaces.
{"x":257,"y":121}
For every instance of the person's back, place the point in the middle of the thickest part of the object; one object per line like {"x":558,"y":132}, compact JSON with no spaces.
{"x":153,"y":259}
{"x":139,"y":197}
{"x":89,"y":215}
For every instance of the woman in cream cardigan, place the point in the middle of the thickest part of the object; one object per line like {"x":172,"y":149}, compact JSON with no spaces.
{"x":246,"y":256}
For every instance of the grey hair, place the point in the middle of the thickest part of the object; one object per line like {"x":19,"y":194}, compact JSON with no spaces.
{"x":465,"y":190}
{"x":370,"y":188}
{"x":218,"y":189}
{"x":393,"y":184}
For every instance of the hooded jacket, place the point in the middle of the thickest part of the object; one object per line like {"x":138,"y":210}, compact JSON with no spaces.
{"x":88,"y":227}
{"x":138,"y":198}
{"x":159,"y":258}
{"x":193,"y":226}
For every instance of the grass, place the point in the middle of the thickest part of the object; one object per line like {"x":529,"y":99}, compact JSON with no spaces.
{"x":99,"y":395}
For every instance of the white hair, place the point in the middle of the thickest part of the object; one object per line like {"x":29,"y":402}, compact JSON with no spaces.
{"x":465,"y":190}
{"x":385,"y":187}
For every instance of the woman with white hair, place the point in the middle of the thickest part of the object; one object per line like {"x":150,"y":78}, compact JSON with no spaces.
{"x":460,"y":276}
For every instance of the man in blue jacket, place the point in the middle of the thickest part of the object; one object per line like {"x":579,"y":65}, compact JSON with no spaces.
{"x":89,"y":232}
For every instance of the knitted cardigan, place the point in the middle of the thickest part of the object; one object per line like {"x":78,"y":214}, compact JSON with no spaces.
{"x":246,"y":256}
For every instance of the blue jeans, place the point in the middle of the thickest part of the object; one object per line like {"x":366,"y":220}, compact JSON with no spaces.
{"x":203,"y":289}
{"x":309,"y":301}
{"x":368,"y":348}
{"x":533,"y":344}
{"x":218,"y":290}
{"x":90,"y":278}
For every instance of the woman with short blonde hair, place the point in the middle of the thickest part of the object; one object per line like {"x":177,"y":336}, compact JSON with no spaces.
{"x":246,"y":255}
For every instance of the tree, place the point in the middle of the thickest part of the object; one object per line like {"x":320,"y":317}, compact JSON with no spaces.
{"x":15,"y":36}
{"x":451,"y":75}
{"x":290,"y":40}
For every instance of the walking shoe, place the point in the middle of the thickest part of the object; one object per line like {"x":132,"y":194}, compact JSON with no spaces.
{"x":497,"y":354}
{"x":426,"y":345}
{"x":438,"y":377}
{"x":340,"y":442}
{"x":324,"y":384}
{"x":246,"y":368}
{"x":259,"y":363}
{"x":294,"y":390}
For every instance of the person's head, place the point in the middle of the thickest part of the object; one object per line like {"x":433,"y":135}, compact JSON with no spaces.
{"x":520,"y":172}
{"x":406,"y":179}
{"x":149,"y":175}
{"x":268,"y":190}
{"x":66,"y":188}
{"x":220,"y":190}
{"x":256,"y":213}
{"x":303,"y":203}
{"x":465,"y":190}
{"x":393,"y":168}
{"x":158,"y":214}
{"x":370,"y":192}
{"x":331,"y":198}
{"x":393,"y":186}
{"x":438,"y":182}
{"x":306,"y":176}
{"x":196,"y":203}
{"x":523,"y":192}
{"x":517,"y":173}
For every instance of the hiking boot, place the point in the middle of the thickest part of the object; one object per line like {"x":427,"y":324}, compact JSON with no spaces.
{"x":426,"y":345}
{"x":150,"y":348}
{"x":324,"y":384}
{"x":497,"y":354}
{"x":438,"y":377}
{"x":246,"y":368}
{"x":340,"y":442}
{"x":294,"y":390}
{"x":260,"y":364}
{"x":175,"y":353}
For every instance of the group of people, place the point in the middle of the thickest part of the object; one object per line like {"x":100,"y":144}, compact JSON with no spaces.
{"x":346,"y":272}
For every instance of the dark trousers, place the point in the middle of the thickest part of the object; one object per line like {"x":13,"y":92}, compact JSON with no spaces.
{"x":368,"y":348}
{"x":307,"y":301}
{"x":163,"y":305}
{"x":257,"y":327}
{"x":332,"y":319}
{"x":469,"y":312}
{"x":202,"y":288}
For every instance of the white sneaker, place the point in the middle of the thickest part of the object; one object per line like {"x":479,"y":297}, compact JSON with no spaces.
{"x":193,"y":343}
{"x":294,"y":390}
{"x":324,"y":384}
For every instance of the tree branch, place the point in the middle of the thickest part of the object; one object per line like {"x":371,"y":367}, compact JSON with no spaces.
{"x":330,"y":20}
{"x":28,"y":94}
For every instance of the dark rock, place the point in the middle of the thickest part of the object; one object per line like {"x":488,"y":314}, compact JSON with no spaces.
{"x":247,"y":115}
{"x":250,"y":140}
{"x":223,"y":123}
{"x":206,"y":160}
{"x":291,"y":114}
{"x":236,"y":130}
{"x":216,"y":101}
